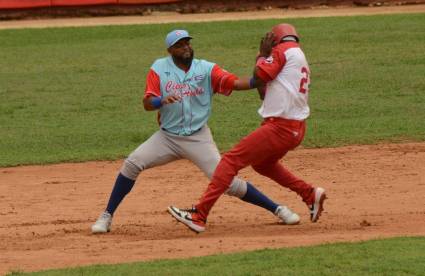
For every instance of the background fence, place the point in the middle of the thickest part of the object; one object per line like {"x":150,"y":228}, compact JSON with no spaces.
{"x":26,"y":4}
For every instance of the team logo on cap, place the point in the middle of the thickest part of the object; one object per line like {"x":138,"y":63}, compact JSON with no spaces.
{"x":179,"y":33}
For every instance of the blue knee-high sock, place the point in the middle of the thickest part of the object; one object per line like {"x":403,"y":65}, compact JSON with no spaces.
{"x":256,"y":197}
{"x":122,"y":187}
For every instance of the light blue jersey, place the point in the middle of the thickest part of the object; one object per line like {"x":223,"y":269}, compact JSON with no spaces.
{"x":195,"y":89}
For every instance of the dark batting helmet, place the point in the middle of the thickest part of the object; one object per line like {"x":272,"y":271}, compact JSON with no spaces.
{"x":283,"y":30}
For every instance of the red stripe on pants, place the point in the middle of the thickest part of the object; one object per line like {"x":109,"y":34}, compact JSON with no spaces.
{"x":262,"y":149}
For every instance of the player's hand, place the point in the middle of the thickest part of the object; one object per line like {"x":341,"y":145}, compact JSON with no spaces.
{"x":266,"y":45}
{"x":170,"y":99}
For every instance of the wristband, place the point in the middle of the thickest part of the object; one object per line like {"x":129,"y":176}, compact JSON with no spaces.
{"x":156,"y":102}
{"x":251,"y":82}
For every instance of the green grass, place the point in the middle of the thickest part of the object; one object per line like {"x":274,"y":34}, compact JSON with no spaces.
{"x":397,"y":256}
{"x":73,"y":94}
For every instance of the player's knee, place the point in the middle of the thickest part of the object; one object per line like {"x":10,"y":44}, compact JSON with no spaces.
{"x":130,"y":170}
{"x":237,"y":188}
{"x":209,"y":172}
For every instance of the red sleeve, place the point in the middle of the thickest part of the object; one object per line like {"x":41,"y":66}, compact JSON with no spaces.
{"x":152,"y":85}
{"x":222,"y":81}
{"x":269,"y":68}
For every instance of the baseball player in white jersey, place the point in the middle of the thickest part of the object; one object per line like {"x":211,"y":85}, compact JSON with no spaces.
{"x":284,"y":75}
{"x":180,"y":88}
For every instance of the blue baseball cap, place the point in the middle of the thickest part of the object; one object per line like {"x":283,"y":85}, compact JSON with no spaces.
{"x":174,"y":36}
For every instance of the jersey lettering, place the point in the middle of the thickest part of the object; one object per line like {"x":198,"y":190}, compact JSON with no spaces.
{"x":304,"y":82}
{"x":183,"y":89}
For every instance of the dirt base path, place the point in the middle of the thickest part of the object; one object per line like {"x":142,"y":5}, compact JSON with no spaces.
{"x":169,"y":17}
{"x":46,"y":211}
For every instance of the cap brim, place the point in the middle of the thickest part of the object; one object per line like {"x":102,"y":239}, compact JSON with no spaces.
{"x":178,"y":39}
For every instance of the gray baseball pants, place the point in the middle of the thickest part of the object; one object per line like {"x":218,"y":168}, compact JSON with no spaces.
{"x":163,"y":147}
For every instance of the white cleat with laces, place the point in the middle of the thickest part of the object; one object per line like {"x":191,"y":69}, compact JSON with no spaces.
{"x":286,"y":215}
{"x":102,"y":224}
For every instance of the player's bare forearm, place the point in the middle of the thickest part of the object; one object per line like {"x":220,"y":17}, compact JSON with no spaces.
{"x":246,"y":83}
{"x":261,"y":92}
{"x":147,"y":104}
{"x":243,"y":83}
{"x":259,"y":84}
{"x":153,"y":103}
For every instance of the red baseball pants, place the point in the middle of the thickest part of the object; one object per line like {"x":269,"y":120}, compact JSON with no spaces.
{"x":262,"y":149}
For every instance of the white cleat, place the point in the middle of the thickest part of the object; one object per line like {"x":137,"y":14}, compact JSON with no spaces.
{"x":286,"y":215}
{"x":102,"y":224}
{"x":317,"y":207}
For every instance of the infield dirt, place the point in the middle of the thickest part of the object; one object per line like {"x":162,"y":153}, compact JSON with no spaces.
{"x":46,"y":211}
{"x":374,"y":191}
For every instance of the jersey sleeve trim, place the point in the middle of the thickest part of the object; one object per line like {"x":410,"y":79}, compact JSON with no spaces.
{"x":222,"y":81}
{"x":269,"y":68}
{"x":153,"y":85}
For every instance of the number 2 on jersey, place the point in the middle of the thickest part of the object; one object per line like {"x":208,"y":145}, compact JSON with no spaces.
{"x":304,"y":81}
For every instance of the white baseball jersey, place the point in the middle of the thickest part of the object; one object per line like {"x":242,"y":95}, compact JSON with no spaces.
{"x":287,"y":75}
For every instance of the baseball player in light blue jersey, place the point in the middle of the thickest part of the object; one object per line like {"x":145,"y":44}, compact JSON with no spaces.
{"x":180,"y":88}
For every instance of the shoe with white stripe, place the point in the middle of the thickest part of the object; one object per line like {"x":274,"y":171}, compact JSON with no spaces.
{"x":188,"y":217}
{"x":317,"y":207}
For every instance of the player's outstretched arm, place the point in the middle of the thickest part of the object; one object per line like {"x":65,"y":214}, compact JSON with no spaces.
{"x":246,"y":83}
{"x":153,"y":103}
{"x":243,"y":83}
